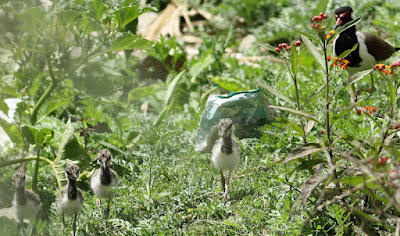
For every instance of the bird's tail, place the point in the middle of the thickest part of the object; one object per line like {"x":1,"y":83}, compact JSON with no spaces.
{"x":397,"y":49}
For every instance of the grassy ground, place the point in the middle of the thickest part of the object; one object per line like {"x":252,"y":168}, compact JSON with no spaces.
{"x":165,"y":186}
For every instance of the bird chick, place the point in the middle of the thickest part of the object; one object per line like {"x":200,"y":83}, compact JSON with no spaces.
{"x":70,"y":200}
{"x":225,"y":153}
{"x":104,"y":178}
{"x":26,"y":203}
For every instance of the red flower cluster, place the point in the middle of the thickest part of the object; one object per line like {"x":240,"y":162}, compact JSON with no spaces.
{"x":340,"y":62}
{"x":382,"y":160}
{"x":317,"y":20}
{"x":367,"y":109}
{"x":282,"y":46}
{"x":395,"y":64}
{"x":385,"y":68}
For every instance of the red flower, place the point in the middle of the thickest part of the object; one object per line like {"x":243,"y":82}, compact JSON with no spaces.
{"x":277,"y":49}
{"x":297,"y":43}
{"x":382,"y":160}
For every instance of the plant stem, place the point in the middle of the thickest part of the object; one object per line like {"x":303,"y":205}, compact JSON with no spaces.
{"x":32,"y":158}
{"x":327,"y":112}
{"x":35,"y":174}
{"x":294,"y":77}
{"x":45,"y":95}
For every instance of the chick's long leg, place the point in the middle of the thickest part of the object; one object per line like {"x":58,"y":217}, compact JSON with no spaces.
{"x":227,"y":185}
{"x":222,"y":182}
{"x":62,"y":224}
{"x":74,"y":225}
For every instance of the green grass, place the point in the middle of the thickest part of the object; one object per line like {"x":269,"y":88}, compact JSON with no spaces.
{"x":165,"y":186}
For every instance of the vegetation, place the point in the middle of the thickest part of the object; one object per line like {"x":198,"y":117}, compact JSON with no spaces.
{"x":81,"y":79}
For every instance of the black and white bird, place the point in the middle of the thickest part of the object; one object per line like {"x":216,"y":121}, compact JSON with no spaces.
{"x":26,"y":203}
{"x":369,"y":51}
{"x":225,"y":153}
{"x":70,"y":199}
{"x":104,"y":178}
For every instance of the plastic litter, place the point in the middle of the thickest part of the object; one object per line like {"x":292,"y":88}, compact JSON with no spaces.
{"x":247,"y":109}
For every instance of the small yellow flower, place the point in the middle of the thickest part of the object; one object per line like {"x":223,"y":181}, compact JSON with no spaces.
{"x":327,"y":36}
{"x":335,"y":58}
{"x":387,"y":66}
{"x":331,"y":32}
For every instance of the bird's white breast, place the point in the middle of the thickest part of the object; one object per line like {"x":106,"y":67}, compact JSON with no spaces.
{"x":224,"y":161}
{"x":69,"y":207}
{"x":101,"y":190}
{"x":29,"y":210}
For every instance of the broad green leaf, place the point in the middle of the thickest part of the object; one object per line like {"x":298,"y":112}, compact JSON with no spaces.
{"x":66,"y":17}
{"x":311,"y":184}
{"x":52,"y":106}
{"x":309,"y":126}
{"x":309,"y":164}
{"x":29,"y":134}
{"x":99,"y":9}
{"x":276,"y":93}
{"x":4,"y":107}
{"x":172,"y":87}
{"x":128,"y":41}
{"x":12,"y":132}
{"x":368,"y":217}
{"x":199,"y":66}
{"x":229,"y":84}
{"x":359,"y":179}
{"x":314,"y":51}
{"x":347,"y":52}
{"x":356,"y":77}
{"x":269,"y":47}
{"x":141,"y":92}
{"x":303,"y":150}
{"x":102,"y":127}
{"x":125,"y":15}
{"x":70,"y":148}
{"x":297,"y":112}
{"x":162,"y":115}
{"x":44,"y":136}
{"x":291,"y":125}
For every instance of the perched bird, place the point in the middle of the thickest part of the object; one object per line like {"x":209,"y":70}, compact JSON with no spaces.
{"x":225,"y":153}
{"x":26,"y":203}
{"x":70,"y":200}
{"x":370,"y":47}
{"x":104,"y":178}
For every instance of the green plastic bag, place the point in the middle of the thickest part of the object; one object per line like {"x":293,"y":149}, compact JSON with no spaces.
{"x":247,"y":109}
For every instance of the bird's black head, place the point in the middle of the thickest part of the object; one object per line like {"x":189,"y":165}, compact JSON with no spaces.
{"x":72,"y":171}
{"x":104,"y":157}
{"x":225,"y":127}
{"x":343,"y":15}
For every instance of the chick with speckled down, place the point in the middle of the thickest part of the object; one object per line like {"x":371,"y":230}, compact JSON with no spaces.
{"x":104,"y":178}
{"x":70,"y":200}
{"x":26,"y":203}
{"x":225,"y":153}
